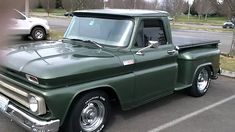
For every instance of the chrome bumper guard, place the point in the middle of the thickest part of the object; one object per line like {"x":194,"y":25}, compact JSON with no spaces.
{"x":220,"y":71}
{"x":216,"y":75}
{"x":28,"y":122}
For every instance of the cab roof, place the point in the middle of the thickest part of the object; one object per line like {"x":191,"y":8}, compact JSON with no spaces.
{"x":123,"y":12}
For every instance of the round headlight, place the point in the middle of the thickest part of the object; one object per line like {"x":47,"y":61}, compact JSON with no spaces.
{"x":33,"y":104}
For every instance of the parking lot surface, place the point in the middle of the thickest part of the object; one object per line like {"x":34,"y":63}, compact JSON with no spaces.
{"x":213,"y":112}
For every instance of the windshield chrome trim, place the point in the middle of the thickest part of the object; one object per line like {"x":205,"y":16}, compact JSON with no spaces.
{"x":125,"y":42}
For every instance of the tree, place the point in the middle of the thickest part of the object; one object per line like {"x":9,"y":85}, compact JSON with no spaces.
{"x":147,"y":4}
{"x":68,"y":5}
{"x":33,"y":4}
{"x":192,"y":10}
{"x":94,"y":4}
{"x":71,"y":5}
{"x":205,"y":7}
{"x":175,"y":7}
{"x":133,"y":4}
{"x":58,"y":3}
{"x":228,"y":7}
{"x":48,"y":5}
{"x":122,"y":4}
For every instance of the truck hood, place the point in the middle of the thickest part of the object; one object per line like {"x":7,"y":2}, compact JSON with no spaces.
{"x":50,"y":60}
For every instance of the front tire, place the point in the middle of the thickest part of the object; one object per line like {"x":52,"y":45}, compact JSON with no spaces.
{"x":38,"y":33}
{"x":201,"y":82}
{"x":90,"y":113}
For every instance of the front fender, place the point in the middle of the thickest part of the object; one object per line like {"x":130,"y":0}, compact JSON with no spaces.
{"x":60,"y":101}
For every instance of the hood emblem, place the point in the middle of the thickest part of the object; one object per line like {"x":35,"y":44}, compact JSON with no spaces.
{"x":128,"y":62}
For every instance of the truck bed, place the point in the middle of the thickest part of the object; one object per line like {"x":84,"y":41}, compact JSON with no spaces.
{"x":189,"y":42}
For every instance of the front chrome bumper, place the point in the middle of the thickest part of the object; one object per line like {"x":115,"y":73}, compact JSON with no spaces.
{"x":29,"y":122}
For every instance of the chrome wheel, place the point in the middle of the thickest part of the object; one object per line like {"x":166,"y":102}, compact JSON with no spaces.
{"x":203,"y":80}
{"x":92,"y":115}
{"x":39,"y":34}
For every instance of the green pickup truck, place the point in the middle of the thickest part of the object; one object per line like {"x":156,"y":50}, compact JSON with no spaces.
{"x":126,"y":57}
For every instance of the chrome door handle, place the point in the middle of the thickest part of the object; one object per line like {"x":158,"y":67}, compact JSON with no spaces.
{"x":171,"y":52}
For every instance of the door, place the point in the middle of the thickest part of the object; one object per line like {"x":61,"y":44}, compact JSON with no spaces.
{"x":156,"y":68}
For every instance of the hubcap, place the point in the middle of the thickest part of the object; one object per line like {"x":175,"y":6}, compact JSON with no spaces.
{"x":92,"y":115}
{"x":203,"y":79}
{"x":39,"y":34}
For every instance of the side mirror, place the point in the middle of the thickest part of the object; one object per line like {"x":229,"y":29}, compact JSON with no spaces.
{"x":170,"y":19}
{"x":152,"y":44}
{"x":177,"y":48}
{"x":68,"y":14}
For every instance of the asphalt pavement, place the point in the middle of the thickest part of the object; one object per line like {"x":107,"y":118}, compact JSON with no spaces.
{"x":58,"y":24}
{"x":179,"y":112}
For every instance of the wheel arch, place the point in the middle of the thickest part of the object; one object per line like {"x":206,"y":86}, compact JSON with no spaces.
{"x":209,"y":65}
{"x":40,"y":26}
{"x":109,"y":90}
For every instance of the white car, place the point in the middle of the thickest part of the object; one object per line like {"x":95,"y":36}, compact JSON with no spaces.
{"x":228,"y":24}
{"x":25,"y":26}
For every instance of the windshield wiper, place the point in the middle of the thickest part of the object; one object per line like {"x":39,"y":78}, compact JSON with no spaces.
{"x":93,"y":42}
{"x":87,"y":41}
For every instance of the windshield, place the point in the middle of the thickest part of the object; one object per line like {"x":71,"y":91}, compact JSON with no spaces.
{"x":105,"y":31}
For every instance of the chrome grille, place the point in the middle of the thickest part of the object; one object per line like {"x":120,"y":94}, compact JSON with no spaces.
{"x":14,"y":93}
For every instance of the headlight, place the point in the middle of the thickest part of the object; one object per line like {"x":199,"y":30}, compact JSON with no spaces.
{"x":33,"y":104}
{"x":36,"y":104}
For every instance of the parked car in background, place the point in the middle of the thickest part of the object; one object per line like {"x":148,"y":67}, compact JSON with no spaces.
{"x":25,"y":26}
{"x":170,"y":18}
{"x":228,"y":24}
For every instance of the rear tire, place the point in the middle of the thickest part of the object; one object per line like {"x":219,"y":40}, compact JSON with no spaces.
{"x":38,"y":33}
{"x":201,"y":82}
{"x":89,"y":114}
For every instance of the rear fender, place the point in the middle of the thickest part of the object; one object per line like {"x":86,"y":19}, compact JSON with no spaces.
{"x":209,"y":65}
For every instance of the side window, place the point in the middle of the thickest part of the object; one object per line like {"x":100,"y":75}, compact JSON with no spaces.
{"x":151,"y":29}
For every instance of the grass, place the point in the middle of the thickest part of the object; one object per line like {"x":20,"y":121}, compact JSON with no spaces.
{"x":56,"y":35}
{"x":216,"y":21}
{"x":205,"y":28}
{"x":56,"y":12}
{"x":227,"y":63}
{"x":213,"y":24}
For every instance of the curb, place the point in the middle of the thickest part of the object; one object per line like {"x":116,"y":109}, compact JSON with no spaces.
{"x":228,"y":73}
{"x":44,"y":15}
{"x":59,"y":17}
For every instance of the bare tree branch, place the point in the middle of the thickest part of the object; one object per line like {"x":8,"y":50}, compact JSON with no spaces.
{"x":48,"y":5}
{"x":174,"y":7}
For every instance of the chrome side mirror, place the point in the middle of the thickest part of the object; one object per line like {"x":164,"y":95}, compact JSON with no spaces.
{"x":152,"y":44}
{"x":68,"y":14}
{"x":177,"y":48}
